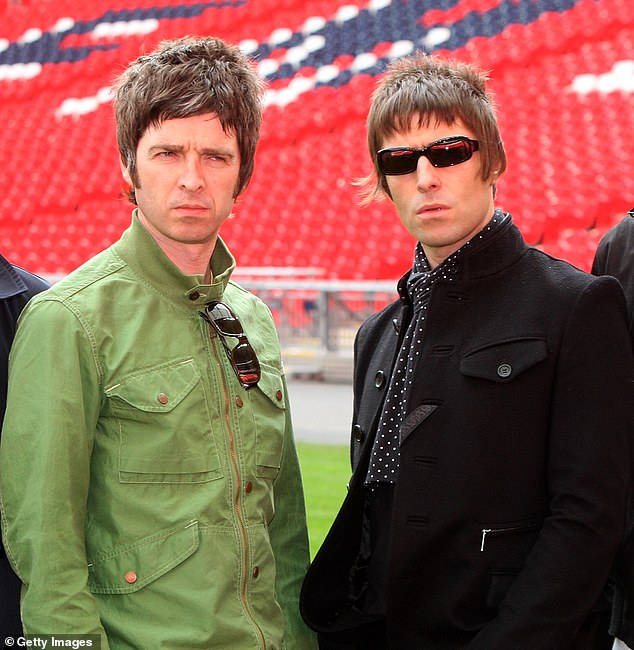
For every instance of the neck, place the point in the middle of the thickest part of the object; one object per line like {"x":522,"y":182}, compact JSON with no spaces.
{"x":191,"y":258}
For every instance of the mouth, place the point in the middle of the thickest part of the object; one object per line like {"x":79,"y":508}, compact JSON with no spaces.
{"x":431,"y":210}
{"x":190,"y":207}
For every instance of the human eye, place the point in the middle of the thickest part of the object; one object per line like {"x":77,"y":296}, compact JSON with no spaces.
{"x":217,"y":159}
{"x":163,"y":153}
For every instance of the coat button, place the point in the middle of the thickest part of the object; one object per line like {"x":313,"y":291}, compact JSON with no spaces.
{"x":248,"y":488}
{"x":357,"y":433}
{"x":279,"y":395}
{"x":194,"y":295}
{"x":239,"y":402}
{"x":256,"y":571}
{"x":163,"y":398}
{"x":130,"y":577}
{"x":379,"y":379}
{"x":504,"y":370}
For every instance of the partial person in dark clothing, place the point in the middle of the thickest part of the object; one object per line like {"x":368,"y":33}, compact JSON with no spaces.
{"x":492,"y":412}
{"x":17,"y":286}
{"x":615,"y":256}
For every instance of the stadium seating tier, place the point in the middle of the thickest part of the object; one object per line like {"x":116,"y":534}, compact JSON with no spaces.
{"x":562,"y":72}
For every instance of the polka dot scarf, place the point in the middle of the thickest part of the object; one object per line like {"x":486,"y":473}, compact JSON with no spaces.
{"x":384,"y":461}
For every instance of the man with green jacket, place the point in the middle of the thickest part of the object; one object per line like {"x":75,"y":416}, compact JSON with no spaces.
{"x":150,"y":487}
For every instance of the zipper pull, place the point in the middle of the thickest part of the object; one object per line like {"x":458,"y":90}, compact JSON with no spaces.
{"x":485,"y":532}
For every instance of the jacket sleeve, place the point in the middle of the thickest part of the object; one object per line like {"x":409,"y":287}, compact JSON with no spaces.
{"x":588,"y":481}
{"x":289,"y":540}
{"x":48,"y":434}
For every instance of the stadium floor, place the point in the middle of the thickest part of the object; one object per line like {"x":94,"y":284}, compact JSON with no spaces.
{"x":322,"y":411}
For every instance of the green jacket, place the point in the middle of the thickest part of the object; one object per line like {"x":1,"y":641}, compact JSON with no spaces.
{"x":146,"y":496}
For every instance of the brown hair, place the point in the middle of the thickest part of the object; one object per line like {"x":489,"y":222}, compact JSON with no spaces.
{"x":433,"y":90}
{"x":184,"y":78}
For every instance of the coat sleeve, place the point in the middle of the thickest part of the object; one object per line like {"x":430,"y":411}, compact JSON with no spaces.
{"x":47,"y":440}
{"x":589,"y":468}
{"x":289,"y":540}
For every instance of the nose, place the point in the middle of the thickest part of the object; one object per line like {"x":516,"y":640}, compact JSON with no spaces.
{"x":191,"y":177}
{"x":427,"y":178}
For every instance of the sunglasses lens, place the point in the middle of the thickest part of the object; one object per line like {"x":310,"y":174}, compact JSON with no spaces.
{"x":444,"y":153}
{"x":393,"y":162}
{"x":226,"y":323}
{"x":452,"y":152}
{"x":246,"y":364}
{"x":229,"y":326}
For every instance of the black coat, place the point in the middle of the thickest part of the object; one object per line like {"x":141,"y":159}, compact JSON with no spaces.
{"x":514,"y":467}
{"x":17,"y":286}
{"x":615,"y":257}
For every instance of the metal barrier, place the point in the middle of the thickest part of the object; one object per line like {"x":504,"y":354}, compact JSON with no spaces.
{"x":317,"y":321}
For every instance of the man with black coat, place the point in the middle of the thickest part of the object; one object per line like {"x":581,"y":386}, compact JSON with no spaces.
{"x":492,"y":409}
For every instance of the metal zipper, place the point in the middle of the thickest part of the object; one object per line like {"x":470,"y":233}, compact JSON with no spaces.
{"x":510,"y":529}
{"x":236,"y":504}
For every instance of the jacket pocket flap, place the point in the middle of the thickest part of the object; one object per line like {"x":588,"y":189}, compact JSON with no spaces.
{"x":272,"y":386}
{"x":158,"y":389}
{"x":131,"y":567}
{"x":502,"y":362}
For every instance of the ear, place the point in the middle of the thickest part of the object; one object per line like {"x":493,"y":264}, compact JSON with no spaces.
{"x":125,"y":172}
{"x":495,"y":176}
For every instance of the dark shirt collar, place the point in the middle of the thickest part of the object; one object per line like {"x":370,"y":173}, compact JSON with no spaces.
{"x":11,"y":284}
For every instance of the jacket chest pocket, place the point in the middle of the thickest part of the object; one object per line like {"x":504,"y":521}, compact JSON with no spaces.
{"x":269,"y":413}
{"x":164,"y":426}
{"x":504,"y":361}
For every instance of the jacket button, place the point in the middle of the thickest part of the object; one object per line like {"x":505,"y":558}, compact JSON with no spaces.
{"x":256,"y":571}
{"x":248,"y":488}
{"x":504,"y":370}
{"x":163,"y":398}
{"x":278,"y":396}
{"x":239,"y":402}
{"x":357,"y":433}
{"x":194,"y":295}
{"x":379,"y":379}
{"x":130,"y":577}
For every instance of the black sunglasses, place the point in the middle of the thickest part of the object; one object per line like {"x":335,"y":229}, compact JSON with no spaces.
{"x":447,"y":152}
{"x":242,"y":356}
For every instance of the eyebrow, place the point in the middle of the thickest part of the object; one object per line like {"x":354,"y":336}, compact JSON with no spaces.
{"x":177,"y":148}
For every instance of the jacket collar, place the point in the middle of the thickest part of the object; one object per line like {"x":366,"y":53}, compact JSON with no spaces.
{"x":11,"y":284}
{"x":138,"y":249}
{"x":502,"y":249}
